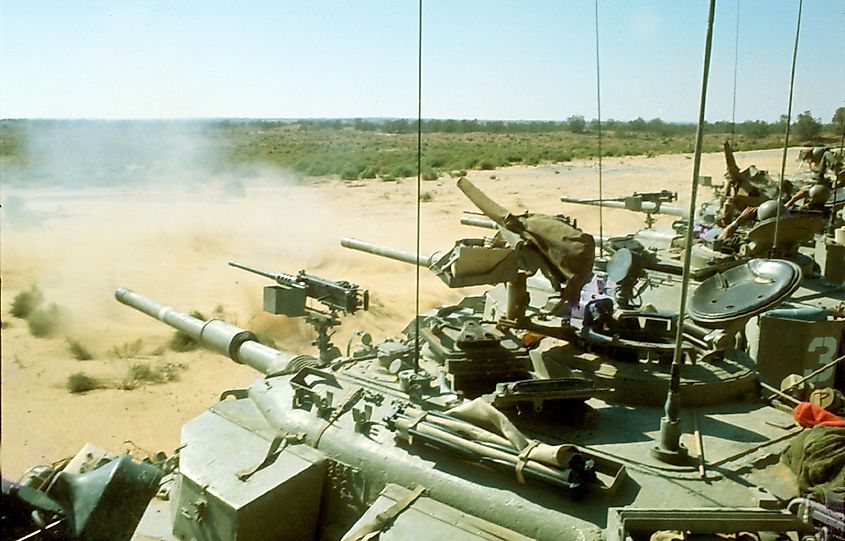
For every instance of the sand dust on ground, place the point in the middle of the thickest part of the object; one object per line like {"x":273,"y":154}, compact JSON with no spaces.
{"x":172,"y":243}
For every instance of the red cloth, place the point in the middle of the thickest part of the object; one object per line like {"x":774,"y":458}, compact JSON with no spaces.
{"x":808,"y":414}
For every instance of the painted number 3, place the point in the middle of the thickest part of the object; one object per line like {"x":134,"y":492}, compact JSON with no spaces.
{"x":825,"y":347}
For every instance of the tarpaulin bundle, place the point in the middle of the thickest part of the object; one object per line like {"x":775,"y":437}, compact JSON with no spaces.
{"x":817,"y":457}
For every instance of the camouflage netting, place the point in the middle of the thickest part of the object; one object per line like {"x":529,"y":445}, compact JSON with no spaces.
{"x":817,"y":457}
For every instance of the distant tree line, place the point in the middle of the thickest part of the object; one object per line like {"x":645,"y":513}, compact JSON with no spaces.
{"x":805,"y":127}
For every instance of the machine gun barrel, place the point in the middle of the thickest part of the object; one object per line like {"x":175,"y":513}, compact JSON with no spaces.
{"x":236,"y":343}
{"x":279,"y":277}
{"x":479,"y":222}
{"x":390,"y":253}
{"x":643,"y":206}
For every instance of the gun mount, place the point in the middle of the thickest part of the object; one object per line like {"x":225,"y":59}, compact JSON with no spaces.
{"x":290,"y":298}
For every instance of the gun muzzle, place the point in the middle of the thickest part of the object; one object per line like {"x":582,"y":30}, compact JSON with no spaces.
{"x":484,"y":223}
{"x":383,"y":251}
{"x":238,"y":344}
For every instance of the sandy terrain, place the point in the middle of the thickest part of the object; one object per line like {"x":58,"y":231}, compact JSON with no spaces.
{"x":172,"y":243}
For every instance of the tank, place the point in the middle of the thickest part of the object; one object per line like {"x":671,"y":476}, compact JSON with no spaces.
{"x":521,"y":412}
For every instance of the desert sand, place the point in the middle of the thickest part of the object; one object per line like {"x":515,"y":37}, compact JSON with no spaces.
{"x":172,"y":241}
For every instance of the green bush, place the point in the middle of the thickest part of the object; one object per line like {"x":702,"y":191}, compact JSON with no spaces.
{"x":79,"y":352}
{"x":140,"y":373}
{"x":806,"y":127}
{"x":80,"y":382}
{"x":403,"y":171}
{"x":44,"y":322}
{"x":430,"y":174}
{"x":368,"y":172}
{"x":26,"y":302}
{"x":469,"y":163}
{"x":181,"y":342}
{"x":319,"y":168}
{"x":351,"y":172}
{"x":144,"y":372}
{"x":426,"y":197}
{"x":127,"y":350}
{"x":486,"y":165}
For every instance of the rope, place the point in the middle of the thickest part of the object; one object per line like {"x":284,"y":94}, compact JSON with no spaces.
{"x":699,"y":137}
{"x":788,"y":122}
{"x":598,"y":101}
{"x":419,"y":194}
{"x":736,"y":64}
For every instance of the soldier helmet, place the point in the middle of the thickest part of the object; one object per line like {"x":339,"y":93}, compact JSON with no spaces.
{"x":819,"y":194}
{"x":767,"y":210}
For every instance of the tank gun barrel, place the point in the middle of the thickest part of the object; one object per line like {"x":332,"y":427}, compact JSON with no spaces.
{"x":384,"y":251}
{"x":238,"y":344}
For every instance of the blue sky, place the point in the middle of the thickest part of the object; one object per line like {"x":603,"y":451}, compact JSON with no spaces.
{"x":481,"y":59}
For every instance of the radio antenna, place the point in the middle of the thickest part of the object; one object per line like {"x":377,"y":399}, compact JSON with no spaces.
{"x":668,"y":447}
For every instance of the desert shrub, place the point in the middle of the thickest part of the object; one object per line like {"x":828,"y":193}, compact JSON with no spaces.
{"x":127,"y":350}
{"x":172,"y":371}
{"x":26,"y":302}
{"x":388,"y":178}
{"x":368,"y":172}
{"x":430,"y":174}
{"x":181,"y":342}
{"x":79,"y":352}
{"x":469,"y":163}
{"x":426,"y":197}
{"x":80,"y":382}
{"x":140,"y":373}
{"x":145,"y":373}
{"x":806,"y":127}
{"x":45,"y":322}
{"x":319,"y":168}
{"x":351,"y":172}
{"x":486,"y":165}
{"x":402,"y":171}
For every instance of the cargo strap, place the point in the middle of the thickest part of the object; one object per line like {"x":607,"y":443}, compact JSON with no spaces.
{"x":371,"y":530}
{"x":522,"y":459}
{"x":279,"y":444}
{"x":347,"y":405}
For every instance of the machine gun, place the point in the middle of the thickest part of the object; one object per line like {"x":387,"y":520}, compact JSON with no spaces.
{"x":649,"y":203}
{"x":289,"y":298}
